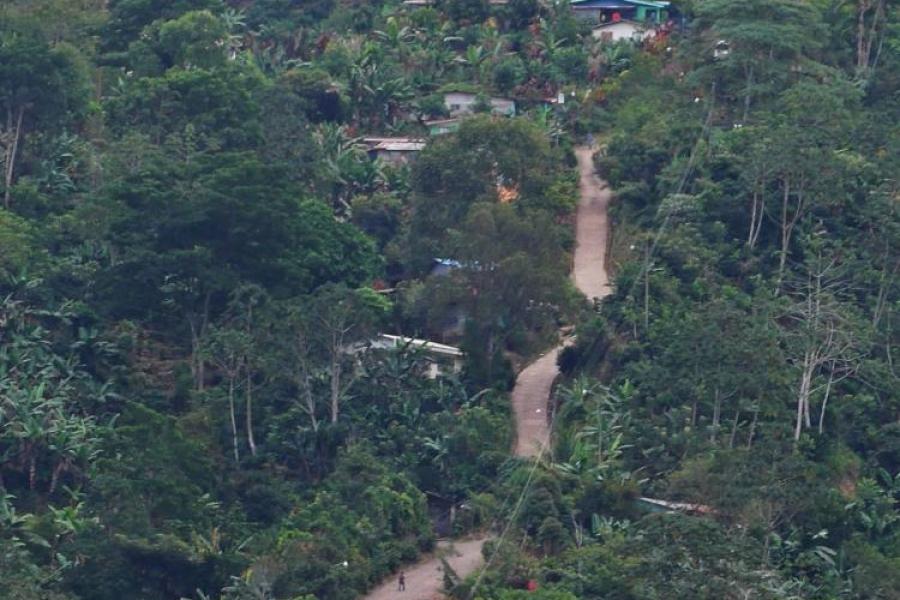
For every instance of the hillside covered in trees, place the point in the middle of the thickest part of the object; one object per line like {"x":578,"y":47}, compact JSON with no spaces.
{"x":269,"y":270}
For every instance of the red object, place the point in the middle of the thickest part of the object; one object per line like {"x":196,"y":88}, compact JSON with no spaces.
{"x":616,"y":17}
{"x":532,"y":585}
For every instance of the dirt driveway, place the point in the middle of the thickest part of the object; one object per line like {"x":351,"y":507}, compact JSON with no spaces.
{"x":532,"y":392}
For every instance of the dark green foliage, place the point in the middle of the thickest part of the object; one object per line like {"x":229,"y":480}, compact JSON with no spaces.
{"x":127,"y":18}
{"x":197,"y":251}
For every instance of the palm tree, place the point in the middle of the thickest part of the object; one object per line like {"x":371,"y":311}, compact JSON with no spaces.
{"x":398,"y":38}
{"x":474,"y":58}
{"x":548,"y":44}
{"x":235,"y":23}
{"x":348,"y":170}
{"x":598,"y":417}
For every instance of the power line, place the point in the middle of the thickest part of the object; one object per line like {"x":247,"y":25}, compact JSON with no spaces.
{"x":644,"y":270}
{"x":515,"y":513}
{"x":648,"y":258}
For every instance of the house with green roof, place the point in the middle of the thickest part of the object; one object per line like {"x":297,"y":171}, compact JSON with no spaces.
{"x":602,"y":11}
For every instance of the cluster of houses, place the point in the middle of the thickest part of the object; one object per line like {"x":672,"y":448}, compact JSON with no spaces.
{"x":613,"y":21}
{"x":398,"y":151}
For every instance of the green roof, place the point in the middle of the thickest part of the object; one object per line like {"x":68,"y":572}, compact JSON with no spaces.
{"x":650,"y":3}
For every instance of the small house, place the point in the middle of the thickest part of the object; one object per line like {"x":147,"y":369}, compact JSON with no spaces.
{"x":424,"y":3}
{"x":394,"y":151}
{"x":655,"y":505}
{"x":616,"y":31}
{"x":602,"y":11}
{"x":464,"y":103}
{"x":441,"y":358}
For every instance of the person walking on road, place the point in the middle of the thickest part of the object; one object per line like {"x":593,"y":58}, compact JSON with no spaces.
{"x":401,"y":582}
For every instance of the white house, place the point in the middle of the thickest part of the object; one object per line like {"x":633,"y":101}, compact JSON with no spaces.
{"x":622,"y":30}
{"x":463,"y":103}
{"x":442,"y":359}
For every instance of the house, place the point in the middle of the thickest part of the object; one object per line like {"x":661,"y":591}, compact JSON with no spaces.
{"x":655,"y":505}
{"x":615,"y":31}
{"x":444,"y":266}
{"x":441,"y":358}
{"x":463,"y":103}
{"x":598,"y":11}
{"x":394,"y":151}
{"x":442,"y":126}
{"x":423,"y":3}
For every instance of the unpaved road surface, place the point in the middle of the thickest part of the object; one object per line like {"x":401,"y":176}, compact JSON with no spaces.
{"x":424,"y":581}
{"x":530,"y":397}
{"x":529,"y":401}
{"x":592,"y":229}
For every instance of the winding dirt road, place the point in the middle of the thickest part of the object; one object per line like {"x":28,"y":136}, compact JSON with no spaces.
{"x":531,"y":395}
{"x":532,"y":392}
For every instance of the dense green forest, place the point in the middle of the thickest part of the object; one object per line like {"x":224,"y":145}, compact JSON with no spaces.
{"x":200,"y":238}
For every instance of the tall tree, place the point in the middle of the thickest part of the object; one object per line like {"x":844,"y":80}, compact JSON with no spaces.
{"x":39,"y":86}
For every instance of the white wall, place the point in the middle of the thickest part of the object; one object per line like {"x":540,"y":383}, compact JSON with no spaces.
{"x":623,"y":30}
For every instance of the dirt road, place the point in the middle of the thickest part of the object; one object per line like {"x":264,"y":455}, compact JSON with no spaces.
{"x":530,"y":397}
{"x":532,"y":392}
{"x":592,"y":229}
{"x":424,"y":581}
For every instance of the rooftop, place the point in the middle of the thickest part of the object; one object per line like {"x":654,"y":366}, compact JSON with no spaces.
{"x":618,"y":3}
{"x":397,"y":341}
{"x":431,"y":2}
{"x":394,"y":144}
{"x":442,"y":122}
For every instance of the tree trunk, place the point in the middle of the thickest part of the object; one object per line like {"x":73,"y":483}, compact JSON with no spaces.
{"x":198,"y":327}
{"x":861,"y":61}
{"x":865,"y":35}
{"x":752,"y":431}
{"x":785,"y":233}
{"x":647,"y":291}
{"x":717,"y":412}
{"x":806,"y":376}
{"x":734,"y":428}
{"x":249,"y":413}
{"x":787,"y":226}
{"x":335,"y":386}
{"x":11,"y":157}
{"x":825,"y":401}
{"x":748,"y":92}
{"x":759,"y":211}
{"x":57,"y":471}
{"x":311,"y":405}
{"x":234,"y":433}
{"x":753,"y":219}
